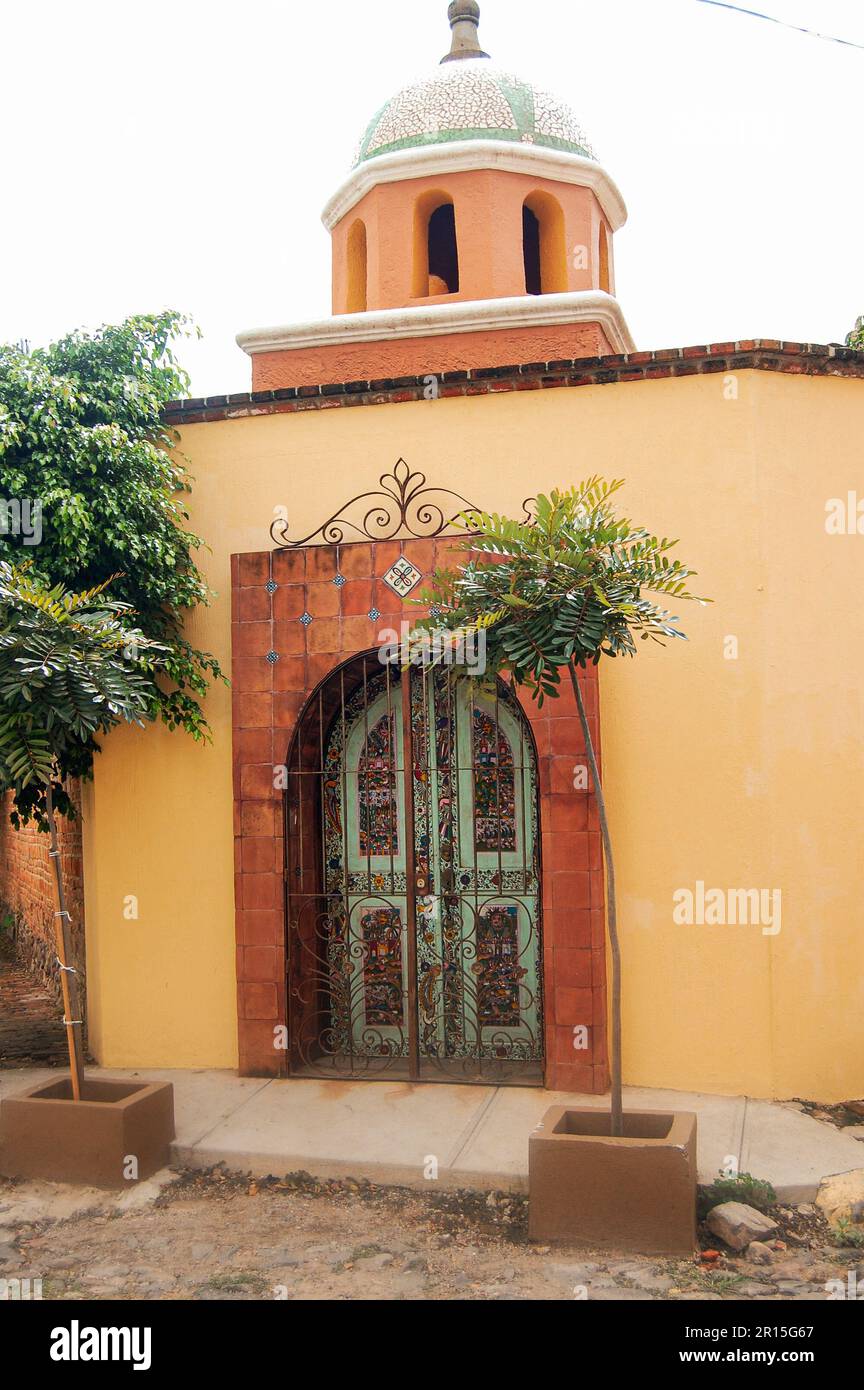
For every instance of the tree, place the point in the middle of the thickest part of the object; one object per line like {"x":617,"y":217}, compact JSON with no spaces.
{"x":86,"y":458}
{"x":551,"y":595}
{"x":71,"y":667}
{"x":855,"y":339}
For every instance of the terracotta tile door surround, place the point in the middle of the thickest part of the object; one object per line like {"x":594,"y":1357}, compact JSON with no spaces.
{"x":279,"y":658}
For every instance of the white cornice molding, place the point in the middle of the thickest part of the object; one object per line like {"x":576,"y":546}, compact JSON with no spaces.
{"x":466,"y":316}
{"x":466,"y":155}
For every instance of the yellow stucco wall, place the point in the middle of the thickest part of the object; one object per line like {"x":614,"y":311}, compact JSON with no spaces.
{"x":744,"y":773}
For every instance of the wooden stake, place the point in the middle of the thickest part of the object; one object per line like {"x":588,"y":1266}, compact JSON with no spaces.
{"x":68,"y":978}
{"x":617,"y":1102}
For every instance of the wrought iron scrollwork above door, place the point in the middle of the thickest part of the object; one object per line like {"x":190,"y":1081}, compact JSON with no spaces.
{"x":401,"y":508}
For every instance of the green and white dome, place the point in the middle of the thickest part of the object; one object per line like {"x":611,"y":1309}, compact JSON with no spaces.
{"x":472,"y":100}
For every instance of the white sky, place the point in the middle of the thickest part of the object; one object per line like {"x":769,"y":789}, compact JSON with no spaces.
{"x":178,"y":152}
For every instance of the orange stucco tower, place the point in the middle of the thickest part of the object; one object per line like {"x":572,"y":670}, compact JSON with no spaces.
{"x":475,"y":229}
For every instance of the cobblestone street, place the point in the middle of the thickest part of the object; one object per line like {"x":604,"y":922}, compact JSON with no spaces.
{"x":207,"y":1236}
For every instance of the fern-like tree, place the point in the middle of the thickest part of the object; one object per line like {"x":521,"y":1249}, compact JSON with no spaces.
{"x":72,"y":666}
{"x":86,"y":453}
{"x":855,"y":338}
{"x":565,"y":589}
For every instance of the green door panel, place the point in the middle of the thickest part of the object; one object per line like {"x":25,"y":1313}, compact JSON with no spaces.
{"x":476,"y":887}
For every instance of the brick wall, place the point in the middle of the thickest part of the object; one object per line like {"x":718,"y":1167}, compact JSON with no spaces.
{"x":278,"y":662}
{"x":27,"y":894}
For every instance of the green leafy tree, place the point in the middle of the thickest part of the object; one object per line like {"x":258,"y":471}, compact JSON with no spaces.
{"x":72,"y":666}
{"x":565,"y":589}
{"x":82,"y":441}
{"x":856,"y":338}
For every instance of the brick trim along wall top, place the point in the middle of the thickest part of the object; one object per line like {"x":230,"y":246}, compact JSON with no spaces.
{"x":758,"y":354}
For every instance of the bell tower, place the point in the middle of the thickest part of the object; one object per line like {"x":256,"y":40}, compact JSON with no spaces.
{"x":475,"y":229}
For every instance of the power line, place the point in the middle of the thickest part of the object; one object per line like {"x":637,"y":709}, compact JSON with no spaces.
{"x":757,"y":14}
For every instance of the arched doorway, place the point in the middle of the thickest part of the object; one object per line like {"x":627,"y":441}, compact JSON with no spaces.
{"x":413,"y":880}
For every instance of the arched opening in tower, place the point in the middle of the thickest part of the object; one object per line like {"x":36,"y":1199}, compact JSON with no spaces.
{"x":531,"y":251}
{"x":443,"y":251}
{"x":605,"y":276}
{"x":357,"y":268}
{"x":544,"y":244}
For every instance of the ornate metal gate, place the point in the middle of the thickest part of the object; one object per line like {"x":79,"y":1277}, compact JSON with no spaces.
{"x":413,"y":880}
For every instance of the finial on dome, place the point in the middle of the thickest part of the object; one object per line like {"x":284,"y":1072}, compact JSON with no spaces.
{"x":464,"y":16}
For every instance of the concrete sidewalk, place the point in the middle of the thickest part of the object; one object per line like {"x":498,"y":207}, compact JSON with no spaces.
{"x":388,"y":1132}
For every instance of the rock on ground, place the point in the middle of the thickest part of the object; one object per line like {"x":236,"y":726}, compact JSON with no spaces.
{"x":738,"y":1225}
{"x":760,"y":1253}
{"x":839,"y":1196}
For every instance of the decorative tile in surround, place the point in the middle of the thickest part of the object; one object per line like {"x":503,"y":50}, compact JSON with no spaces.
{"x":403,"y":578}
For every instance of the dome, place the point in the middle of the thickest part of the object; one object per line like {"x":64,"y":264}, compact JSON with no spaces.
{"x":472,"y":100}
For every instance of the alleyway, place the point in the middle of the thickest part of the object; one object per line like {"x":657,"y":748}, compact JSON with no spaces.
{"x":31,"y":1031}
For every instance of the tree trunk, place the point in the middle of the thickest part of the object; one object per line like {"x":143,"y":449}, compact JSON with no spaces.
{"x":611,"y":915}
{"x":68,"y":977}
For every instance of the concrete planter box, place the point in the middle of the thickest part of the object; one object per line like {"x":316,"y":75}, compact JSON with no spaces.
{"x":45,"y":1134}
{"x":636,"y":1193}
